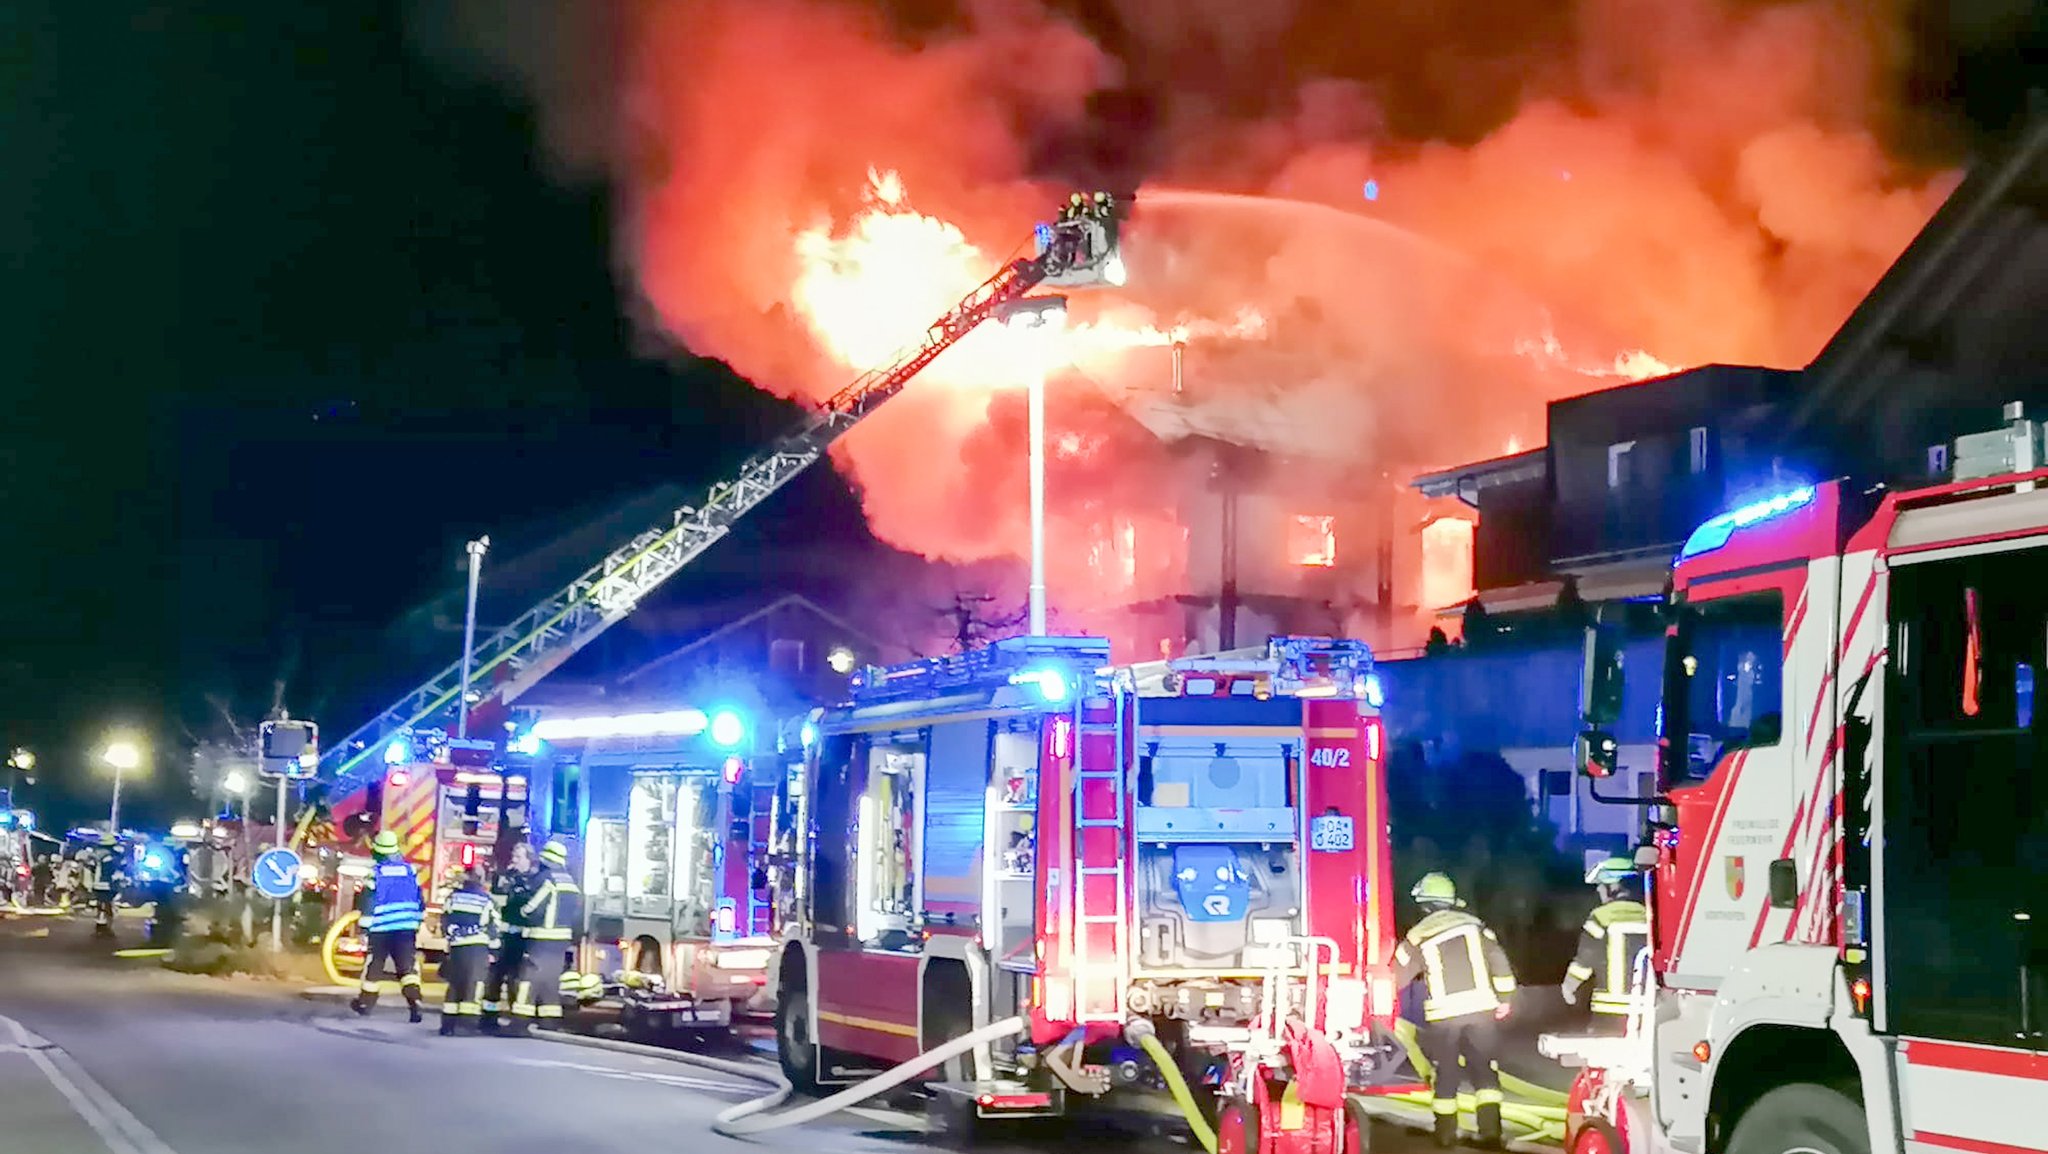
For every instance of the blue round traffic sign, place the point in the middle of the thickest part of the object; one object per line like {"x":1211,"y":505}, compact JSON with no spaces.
{"x":276,"y":874}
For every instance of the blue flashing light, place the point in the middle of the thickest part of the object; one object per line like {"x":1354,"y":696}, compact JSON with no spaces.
{"x":154,"y":860}
{"x":728,"y":729}
{"x":1373,"y":691}
{"x":28,"y":820}
{"x":809,"y":735}
{"x":1052,"y":683}
{"x":527,"y":744}
{"x":1372,"y":190}
{"x":1715,"y":533}
{"x":398,"y":752}
{"x":1042,"y":233}
{"x":6,"y":820}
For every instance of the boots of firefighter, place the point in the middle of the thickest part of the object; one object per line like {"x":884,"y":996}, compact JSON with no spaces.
{"x":365,"y":1000}
{"x":1487,"y":1118}
{"x":541,"y":984}
{"x":1446,"y":1121}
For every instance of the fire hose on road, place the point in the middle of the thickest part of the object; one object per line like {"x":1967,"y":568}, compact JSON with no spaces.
{"x":1532,"y":1113}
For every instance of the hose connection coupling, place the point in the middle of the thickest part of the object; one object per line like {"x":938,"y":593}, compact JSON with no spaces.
{"x":1137,"y":1030}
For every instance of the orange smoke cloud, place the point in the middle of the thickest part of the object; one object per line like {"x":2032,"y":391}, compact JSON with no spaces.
{"x":1649,"y":184}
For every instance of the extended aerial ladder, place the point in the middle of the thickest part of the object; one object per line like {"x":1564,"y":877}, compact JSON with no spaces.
{"x":1077,"y":250}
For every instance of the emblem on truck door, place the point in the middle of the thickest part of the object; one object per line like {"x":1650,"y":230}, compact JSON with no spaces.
{"x":1734,"y":867}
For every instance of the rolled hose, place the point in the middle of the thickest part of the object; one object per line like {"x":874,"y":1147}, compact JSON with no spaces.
{"x":735,"y":1122}
{"x":1141,"y":1032}
{"x":1538,"y":1114}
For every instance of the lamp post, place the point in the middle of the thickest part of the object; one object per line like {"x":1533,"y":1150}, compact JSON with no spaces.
{"x":1039,"y":317}
{"x":476,"y":549}
{"x":19,"y":763}
{"x":235,"y":784}
{"x":123,"y":755}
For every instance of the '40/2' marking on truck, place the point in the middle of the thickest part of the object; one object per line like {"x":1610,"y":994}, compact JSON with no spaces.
{"x":1330,"y":757}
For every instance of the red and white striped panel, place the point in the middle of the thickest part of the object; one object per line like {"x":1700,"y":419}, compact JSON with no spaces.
{"x":1979,"y":1099}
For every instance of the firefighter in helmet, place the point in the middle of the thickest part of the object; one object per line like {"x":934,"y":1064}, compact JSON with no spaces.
{"x":509,"y":893}
{"x":466,"y":922}
{"x":553,"y":913}
{"x":1615,"y":932}
{"x":393,"y":909}
{"x":1470,"y":988}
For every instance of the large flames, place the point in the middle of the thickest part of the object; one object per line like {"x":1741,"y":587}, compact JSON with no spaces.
{"x":1386,"y":250}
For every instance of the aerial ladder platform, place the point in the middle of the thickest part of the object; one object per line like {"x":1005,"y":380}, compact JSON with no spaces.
{"x":1078,"y":249}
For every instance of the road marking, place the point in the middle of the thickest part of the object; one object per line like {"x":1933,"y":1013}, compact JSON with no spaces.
{"x":122,"y":1131}
{"x":681,"y":1080}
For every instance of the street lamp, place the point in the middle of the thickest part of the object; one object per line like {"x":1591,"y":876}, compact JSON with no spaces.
{"x":1038,"y":317}
{"x":20,"y":763}
{"x":123,"y":755}
{"x":476,"y":549}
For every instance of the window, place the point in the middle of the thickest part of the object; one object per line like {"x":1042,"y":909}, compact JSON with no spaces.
{"x":1312,"y":540}
{"x":1698,"y":444}
{"x":786,"y":656}
{"x":1724,"y":680}
{"x":1965,"y":799}
{"x":1617,"y":464}
{"x":1937,"y":460}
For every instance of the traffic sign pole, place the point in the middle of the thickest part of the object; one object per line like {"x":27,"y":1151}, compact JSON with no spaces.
{"x":277,"y":906}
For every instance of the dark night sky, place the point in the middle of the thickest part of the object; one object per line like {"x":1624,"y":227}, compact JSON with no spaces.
{"x":223,"y":219}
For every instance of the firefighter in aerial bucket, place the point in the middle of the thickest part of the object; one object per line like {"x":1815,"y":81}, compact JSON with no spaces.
{"x":1470,"y":988}
{"x":1615,"y":933}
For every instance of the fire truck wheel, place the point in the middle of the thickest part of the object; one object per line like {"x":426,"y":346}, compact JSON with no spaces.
{"x":959,"y":1122}
{"x":796,"y":1040}
{"x":1237,"y":1128}
{"x":1597,"y":1137}
{"x":1803,"y":1117}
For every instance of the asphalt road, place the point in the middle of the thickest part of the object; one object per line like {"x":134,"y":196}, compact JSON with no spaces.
{"x":99,"y":1054}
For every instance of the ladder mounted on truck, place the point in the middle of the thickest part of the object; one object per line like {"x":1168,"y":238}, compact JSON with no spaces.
{"x":1079,"y":249}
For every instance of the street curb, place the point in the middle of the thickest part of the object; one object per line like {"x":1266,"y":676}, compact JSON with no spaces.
{"x":335,"y":994}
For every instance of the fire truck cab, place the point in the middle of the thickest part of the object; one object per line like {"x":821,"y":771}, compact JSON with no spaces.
{"x":1848,"y":853}
{"x":1196,"y":850}
{"x":673,"y":845}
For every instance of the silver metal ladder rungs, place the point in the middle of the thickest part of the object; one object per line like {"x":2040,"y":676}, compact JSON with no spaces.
{"x":1100,"y":919}
{"x":1099,"y":871}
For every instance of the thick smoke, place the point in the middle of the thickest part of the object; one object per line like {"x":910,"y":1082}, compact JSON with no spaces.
{"x":1480,"y":207}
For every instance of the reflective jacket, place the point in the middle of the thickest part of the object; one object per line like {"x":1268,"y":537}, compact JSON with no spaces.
{"x":468,"y":916}
{"x":554,"y":912}
{"x":393,"y":903}
{"x":1460,"y":960}
{"x":1608,"y":944}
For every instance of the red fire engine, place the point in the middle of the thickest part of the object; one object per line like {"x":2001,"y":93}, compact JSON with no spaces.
{"x":1188,"y":860}
{"x":1849,"y":923}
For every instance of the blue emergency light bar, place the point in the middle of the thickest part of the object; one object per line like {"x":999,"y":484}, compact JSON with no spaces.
{"x":1057,"y":666}
{"x":1716,"y":533}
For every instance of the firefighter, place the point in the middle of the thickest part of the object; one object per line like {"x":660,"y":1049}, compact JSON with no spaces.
{"x":101,"y":866}
{"x":552,"y":914}
{"x":1615,"y":932}
{"x":514,"y":885}
{"x":393,"y":909}
{"x":466,"y":922}
{"x":1469,"y":989}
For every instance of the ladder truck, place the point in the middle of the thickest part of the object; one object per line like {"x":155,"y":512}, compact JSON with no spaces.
{"x":1166,"y":874}
{"x":1079,"y":249}
{"x":1847,"y":850}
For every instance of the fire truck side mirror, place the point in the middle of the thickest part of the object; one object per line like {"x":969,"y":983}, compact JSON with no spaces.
{"x":1648,"y":858}
{"x":1597,"y":753}
{"x":1600,"y":683}
{"x":1784,"y":884}
{"x":356,"y":825}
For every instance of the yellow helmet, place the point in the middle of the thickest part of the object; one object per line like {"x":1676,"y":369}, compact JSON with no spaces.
{"x":1435,"y":889}
{"x":1613,"y":871}
{"x":554,"y":853}
{"x":385,"y":844}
